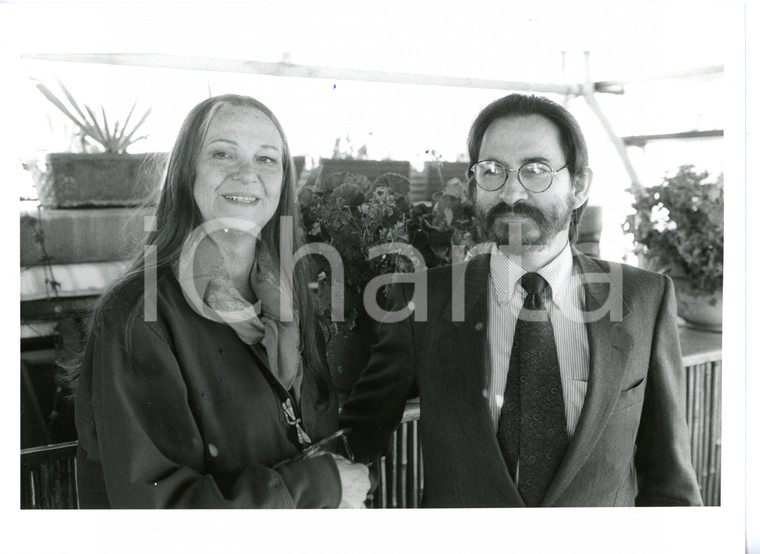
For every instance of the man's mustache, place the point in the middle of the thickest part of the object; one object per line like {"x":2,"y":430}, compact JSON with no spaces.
{"x":502,"y":209}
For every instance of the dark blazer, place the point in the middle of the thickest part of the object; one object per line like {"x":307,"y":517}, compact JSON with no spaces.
{"x":631,"y":444}
{"x":179,"y":413}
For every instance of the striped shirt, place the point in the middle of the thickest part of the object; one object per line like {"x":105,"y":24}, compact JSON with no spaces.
{"x":563,"y":298}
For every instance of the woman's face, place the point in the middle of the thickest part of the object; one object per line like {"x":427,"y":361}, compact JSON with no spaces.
{"x":239,"y":170}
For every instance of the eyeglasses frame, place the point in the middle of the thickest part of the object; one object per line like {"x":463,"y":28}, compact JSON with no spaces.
{"x":510,"y":170}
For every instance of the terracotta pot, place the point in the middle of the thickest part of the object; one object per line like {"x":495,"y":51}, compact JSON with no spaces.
{"x":697,"y":309}
{"x":103,"y":180}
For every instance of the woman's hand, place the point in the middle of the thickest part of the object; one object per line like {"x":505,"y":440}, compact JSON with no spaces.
{"x":354,"y":478}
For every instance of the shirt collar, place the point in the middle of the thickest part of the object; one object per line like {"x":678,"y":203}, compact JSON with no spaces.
{"x":505,"y":274}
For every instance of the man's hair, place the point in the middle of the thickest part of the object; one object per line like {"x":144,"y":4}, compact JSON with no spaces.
{"x":573,"y":143}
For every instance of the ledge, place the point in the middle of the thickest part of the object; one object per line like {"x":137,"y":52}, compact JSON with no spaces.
{"x":80,"y":235}
{"x":700,"y":347}
{"x":76,"y":280}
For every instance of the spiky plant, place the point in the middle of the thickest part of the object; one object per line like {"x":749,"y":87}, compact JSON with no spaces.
{"x":114,"y":138}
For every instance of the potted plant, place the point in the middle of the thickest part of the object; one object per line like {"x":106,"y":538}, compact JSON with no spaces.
{"x":102,"y":174}
{"x":353,"y":214}
{"x":678,"y":230}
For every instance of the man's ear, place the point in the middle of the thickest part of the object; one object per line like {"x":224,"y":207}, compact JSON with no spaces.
{"x":582,"y":186}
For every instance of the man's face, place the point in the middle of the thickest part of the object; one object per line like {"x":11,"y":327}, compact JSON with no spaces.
{"x":542,"y":218}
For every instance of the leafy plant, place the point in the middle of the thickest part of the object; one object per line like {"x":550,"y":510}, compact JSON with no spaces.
{"x":114,"y":138}
{"x":678,"y":227}
{"x":353,"y":214}
{"x":450,"y":220}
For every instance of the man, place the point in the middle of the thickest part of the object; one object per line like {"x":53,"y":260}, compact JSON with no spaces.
{"x":546,"y":378}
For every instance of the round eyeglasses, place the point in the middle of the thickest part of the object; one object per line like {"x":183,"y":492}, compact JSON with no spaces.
{"x":533,"y":176}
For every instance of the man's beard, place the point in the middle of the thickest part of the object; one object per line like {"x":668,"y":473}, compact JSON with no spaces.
{"x":549,"y":223}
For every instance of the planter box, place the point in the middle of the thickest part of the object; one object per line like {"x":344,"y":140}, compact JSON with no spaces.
{"x":299,"y":162}
{"x":590,"y":231}
{"x":102,"y":180}
{"x":372,"y":169}
{"x":449,"y":170}
{"x":81,"y":236}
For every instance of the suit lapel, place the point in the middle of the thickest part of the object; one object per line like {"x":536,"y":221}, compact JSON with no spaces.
{"x":463,"y":336}
{"x":461,"y":343}
{"x":609,"y":348}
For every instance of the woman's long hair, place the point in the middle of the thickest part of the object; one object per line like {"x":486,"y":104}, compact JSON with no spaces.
{"x":177,"y":215}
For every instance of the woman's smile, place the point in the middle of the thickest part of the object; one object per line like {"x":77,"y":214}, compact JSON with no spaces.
{"x":240,"y":198}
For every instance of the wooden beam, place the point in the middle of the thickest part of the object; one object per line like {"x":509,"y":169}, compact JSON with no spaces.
{"x":618,"y":87}
{"x":282,"y":69}
{"x":589,"y":94}
{"x":641,"y":140}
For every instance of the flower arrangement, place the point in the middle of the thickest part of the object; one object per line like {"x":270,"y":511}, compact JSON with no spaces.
{"x":678,"y":227}
{"x":353,"y":214}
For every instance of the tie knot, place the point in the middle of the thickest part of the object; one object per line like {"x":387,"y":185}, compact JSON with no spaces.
{"x":534,"y":285}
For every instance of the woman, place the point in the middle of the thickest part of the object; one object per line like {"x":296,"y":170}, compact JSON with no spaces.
{"x":187,"y":397}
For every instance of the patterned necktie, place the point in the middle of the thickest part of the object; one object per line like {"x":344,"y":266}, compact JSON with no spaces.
{"x":532,"y":427}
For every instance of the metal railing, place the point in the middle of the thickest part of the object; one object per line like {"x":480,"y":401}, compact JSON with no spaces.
{"x":48,"y":474}
{"x":48,"y":477}
{"x":400,"y":472}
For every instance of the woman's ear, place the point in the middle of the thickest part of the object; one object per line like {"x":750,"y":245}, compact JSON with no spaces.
{"x":582,"y":186}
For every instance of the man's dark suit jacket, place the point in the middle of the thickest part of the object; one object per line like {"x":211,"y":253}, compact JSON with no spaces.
{"x":631,"y":444}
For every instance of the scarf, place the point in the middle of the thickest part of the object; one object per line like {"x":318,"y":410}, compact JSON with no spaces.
{"x":280,"y":339}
